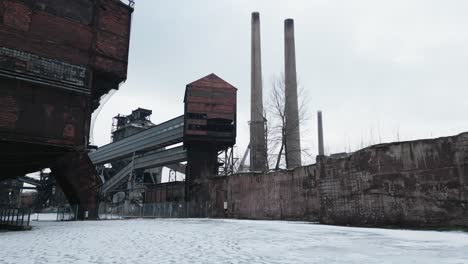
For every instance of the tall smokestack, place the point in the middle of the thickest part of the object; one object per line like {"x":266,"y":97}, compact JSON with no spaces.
{"x":257,"y":128}
{"x":320,"y":134}
{"x":293,"y":138}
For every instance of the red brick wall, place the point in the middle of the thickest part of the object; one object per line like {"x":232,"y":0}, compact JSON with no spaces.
{"x":113,"y":38}
{"x":16,"y":15}
{"x":27,"y":27}
{"x":44,"y":115}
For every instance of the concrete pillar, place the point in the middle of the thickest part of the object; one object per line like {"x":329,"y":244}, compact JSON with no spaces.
{"x":78,"y":179}
{"x":258,"y":157}
{"x":321,"y":151}
{"x":202,"y":164}
{"x":293,"y":138}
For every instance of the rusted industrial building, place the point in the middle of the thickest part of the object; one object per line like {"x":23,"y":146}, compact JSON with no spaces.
{"x":207,"y":130}
{"x":210,"y":128}
{"x":57,"y":58}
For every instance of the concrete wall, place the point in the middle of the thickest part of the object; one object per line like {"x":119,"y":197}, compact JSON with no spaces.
{"x":285,"y":195}
{"x":420,"y":183}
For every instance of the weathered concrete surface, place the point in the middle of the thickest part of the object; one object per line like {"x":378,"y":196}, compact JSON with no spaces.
{"x":76,"y":176}
{"x":291,"y":106}
{"x":258,"y":153}
{"x":321,"y":150}
{"x":201,"y":164}
{"x":418,"y":183}
{"x":285,"y":195}
{"x":421,"y":183}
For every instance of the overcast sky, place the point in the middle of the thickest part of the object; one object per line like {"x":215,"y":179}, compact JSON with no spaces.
{"x":375,"y":68}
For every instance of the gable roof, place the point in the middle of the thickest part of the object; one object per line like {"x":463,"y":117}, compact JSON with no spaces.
{"x":211,"y":80}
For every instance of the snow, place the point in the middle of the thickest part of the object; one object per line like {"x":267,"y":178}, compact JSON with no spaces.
{"x":43,"y":217}
{"x":225,"y":241}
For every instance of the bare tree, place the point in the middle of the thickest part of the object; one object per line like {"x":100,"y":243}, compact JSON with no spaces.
{"x":275,"y":115}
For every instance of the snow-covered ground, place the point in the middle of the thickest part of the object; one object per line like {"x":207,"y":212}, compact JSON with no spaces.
{"x":43,"y":217}
{"x":226,"y":241}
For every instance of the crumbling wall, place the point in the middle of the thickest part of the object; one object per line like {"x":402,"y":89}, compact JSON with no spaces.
{"x":420,"y":183}
{"x":285,"y":195}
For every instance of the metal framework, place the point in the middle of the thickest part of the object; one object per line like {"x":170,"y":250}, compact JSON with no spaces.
{"x":149,"y":160}
{"x":226,"y":161}
{"x":162,"y":135}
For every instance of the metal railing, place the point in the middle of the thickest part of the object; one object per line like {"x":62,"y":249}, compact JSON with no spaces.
{"x":15,"y":217}
{"x":159,"y":210}
{"x":67,"y":213}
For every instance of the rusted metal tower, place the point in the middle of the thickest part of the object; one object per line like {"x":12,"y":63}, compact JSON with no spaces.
{"x":209,"y":127}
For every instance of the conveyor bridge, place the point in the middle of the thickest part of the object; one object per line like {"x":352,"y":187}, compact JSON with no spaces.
{"x":146,"y":150}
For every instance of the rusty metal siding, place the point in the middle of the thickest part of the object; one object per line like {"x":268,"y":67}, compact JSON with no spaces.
{"x":113,"y":38}
{"x":43,"y":47}
{"x":49,"y":46}
{"x":73,"y":33}
{"x":16,"y":15}
{"x":111,"y":46}
{"x":42,"y":115}
{"x":57,"y":58}
{"x":44,"y":34}
{"x":78,"y":10}
{"x":9,"y":112}
{"x":114,"y":19}
{"x":61,"y":30}
{"x":210,"y":108}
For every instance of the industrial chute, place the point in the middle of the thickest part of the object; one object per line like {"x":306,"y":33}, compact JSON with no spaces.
{"x":104,"y":99}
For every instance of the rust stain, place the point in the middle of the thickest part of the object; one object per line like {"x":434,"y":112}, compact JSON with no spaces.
{"x":8,"y":112}
{"x":68,"y":118}
{"x":49,"y":109}
{"x":17,"y":15}
{"x":69,"y":131}
{"x":210,"y":108}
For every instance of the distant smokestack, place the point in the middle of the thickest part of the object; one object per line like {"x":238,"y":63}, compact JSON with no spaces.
{"x":320,"y":134}
{"x":293,"y":138}
{"x":257,"y":128}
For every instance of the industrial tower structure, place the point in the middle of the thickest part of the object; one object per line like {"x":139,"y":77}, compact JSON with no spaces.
{"x":292,"y":130}
{"x":210,"y":122}
{"x":258,"y":153}
{"x":57,"y":58}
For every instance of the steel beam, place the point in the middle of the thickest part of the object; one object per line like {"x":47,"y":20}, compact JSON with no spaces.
{"x":162,"y":135}
{"x":29,"y":180}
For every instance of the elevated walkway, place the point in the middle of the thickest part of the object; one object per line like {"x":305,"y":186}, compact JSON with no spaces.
{"x":145,"y":150}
